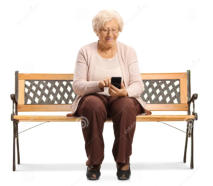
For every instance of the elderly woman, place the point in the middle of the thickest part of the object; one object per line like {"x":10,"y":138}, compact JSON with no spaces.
{"x":97,"y":99}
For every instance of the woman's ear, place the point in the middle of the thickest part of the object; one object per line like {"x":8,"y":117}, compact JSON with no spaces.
{"x":97,"y":34}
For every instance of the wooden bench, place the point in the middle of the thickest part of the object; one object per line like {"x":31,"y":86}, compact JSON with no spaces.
{"x":54,"y":93}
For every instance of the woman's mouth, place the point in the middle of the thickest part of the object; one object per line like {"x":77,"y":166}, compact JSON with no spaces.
{"x":109,"y":39}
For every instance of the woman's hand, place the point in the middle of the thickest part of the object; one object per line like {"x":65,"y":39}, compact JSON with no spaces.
{"x":104,"y":83}
{"x":114,"y":91}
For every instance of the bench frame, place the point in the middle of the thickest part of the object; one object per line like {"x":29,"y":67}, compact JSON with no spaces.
{"x":187,"y":107}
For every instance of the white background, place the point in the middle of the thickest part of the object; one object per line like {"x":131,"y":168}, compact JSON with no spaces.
{"x":44,"y":36}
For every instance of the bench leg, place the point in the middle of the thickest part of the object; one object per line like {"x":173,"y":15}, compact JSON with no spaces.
{"x":186,"y":142}
{"x":17,"y":140}
{"x":189,"y":133}
{"x":14,"y":145}
{"x":192,"y":145}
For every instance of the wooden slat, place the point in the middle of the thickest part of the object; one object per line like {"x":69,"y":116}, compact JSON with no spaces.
{"x":167,"y":107}
{"x":148,"y":118}
{"x":183,"y":89}
{"x":20,"y":91}
{"x":62,"y":108}
{"x":36,"y":118}
{"x":46,"y":108}
{"x":145,"y":76}
{"x":45,"y":76}
{"x":151,"y":118}
{"x":36,"y":76}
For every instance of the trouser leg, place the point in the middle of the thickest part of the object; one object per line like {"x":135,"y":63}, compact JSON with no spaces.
{"x":123,"y":111}
{"x":92,"y":109}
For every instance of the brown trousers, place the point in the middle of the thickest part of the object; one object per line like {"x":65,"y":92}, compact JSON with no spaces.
{"x":95,"y":109}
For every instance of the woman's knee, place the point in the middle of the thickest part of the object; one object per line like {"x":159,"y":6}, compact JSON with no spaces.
{"x":125,"y":104}
{"x":93,"y":103}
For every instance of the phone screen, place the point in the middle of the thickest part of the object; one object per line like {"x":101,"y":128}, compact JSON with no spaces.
{"x":116,"y":81}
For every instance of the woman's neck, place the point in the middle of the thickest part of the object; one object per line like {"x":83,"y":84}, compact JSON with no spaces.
{"x":107,"y":51}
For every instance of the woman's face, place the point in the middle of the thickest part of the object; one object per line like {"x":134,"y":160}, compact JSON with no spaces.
{"x":109,"y":33}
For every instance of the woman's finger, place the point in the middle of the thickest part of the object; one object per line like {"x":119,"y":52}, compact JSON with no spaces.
{"x":114,"y":88}
{"x":108,"y":82}
{"x":112,"y":92}
{"x":104,"y":82}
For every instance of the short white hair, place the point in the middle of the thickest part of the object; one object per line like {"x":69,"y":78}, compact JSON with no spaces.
{"x":104,"y":16}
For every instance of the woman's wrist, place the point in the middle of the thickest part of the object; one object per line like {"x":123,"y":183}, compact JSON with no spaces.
{"x":125,"y":92}
{"x":100,"y":86}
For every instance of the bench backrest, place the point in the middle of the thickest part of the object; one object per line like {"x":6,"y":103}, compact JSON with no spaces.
{"x":54,"y":92}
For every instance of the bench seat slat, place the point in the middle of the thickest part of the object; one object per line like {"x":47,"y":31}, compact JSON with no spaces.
{"x":53,"y":118}
{"x":67,"y":107}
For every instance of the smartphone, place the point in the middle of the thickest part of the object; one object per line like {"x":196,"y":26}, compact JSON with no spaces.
{"x":116,"y":81}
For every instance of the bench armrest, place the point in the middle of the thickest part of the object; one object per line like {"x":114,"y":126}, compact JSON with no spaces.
{"x":14,"y":105}
{"x":13,"y":98}
{"x":192,"y":100}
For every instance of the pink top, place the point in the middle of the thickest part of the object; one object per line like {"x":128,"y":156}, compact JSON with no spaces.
{"x":84,"y":69}
{"x":109,"y":67}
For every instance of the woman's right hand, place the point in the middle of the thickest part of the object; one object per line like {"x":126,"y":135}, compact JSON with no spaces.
{"x":104,"y":83}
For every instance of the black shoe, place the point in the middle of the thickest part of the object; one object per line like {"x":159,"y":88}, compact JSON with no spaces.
{"x":123,"y":174}
{"x":93,"y":172}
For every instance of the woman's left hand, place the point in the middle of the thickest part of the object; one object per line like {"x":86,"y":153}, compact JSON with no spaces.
{"x":114,"y":91}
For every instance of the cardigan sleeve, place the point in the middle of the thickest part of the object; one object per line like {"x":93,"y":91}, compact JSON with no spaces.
{"x":81,"y":85}
{"x":136,"y":85}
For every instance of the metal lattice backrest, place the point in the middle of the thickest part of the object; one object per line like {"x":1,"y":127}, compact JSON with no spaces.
{"x":54,"y":92}
{"x":161,"y":91}
{"x":49,"y":92}
{"x":61,"y":92}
